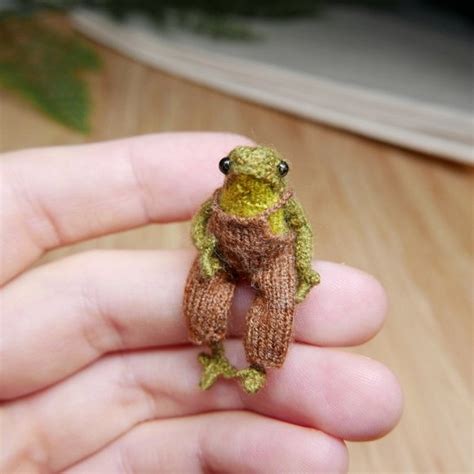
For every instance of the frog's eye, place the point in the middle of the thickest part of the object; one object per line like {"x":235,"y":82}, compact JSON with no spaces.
{"x":283,"y":168}
{"x":224,"y":165}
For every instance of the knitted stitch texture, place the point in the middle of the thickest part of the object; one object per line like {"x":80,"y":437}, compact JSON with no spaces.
{"x":252,"y":229}
{"x":246,"y":248}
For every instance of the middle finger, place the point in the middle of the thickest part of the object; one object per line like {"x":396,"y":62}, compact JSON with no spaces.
{"x":70,"y":312}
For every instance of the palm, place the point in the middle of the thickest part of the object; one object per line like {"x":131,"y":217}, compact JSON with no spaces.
{"x":96,"y":372}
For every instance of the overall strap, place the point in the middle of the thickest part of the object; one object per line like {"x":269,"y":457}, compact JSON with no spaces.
{"x":283,"y":200}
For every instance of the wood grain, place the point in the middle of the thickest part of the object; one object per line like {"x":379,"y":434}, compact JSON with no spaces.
{"x":404,"y":217}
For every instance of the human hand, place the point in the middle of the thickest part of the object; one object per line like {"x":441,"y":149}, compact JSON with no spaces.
{"x":96,"y":374}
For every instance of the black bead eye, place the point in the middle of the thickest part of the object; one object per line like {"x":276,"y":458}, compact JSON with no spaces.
{"x":224,"y":165}
{"x":283,"y":168}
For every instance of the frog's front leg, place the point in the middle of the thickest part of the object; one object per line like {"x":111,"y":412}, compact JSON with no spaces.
{"x":303,"y":247}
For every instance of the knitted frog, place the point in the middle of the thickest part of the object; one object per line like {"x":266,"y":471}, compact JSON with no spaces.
{"x":251,"y":229}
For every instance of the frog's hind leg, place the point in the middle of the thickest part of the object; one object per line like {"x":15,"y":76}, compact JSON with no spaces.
{"x":207,"y":304}
{"x":215,"y":365}
{"x":270,"y":318}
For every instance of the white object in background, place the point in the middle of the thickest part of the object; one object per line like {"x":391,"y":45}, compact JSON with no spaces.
{"x":425,"y":127}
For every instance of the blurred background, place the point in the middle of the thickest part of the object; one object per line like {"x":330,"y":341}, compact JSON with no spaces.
{"x":371,"y":101}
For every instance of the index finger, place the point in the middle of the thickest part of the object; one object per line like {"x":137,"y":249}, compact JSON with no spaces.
{"x":57,"y":196}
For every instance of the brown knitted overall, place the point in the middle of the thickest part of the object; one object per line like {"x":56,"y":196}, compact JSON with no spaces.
{"x":247,"y":249}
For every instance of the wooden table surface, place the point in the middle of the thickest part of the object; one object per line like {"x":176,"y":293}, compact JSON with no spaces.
{"x":404,"y":217}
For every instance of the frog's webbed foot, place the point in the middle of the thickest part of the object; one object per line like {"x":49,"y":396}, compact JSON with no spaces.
{"x":252,"y":379}
{"x":215,"y":365}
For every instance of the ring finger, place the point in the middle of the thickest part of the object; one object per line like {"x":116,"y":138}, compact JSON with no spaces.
{"x":345,"y":395}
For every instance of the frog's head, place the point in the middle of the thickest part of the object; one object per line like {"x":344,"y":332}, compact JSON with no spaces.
{"x":259,"y":163}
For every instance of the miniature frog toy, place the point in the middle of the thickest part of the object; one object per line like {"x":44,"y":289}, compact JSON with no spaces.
{"x":251,"y":229}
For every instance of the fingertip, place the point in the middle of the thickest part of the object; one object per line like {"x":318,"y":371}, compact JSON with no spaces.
{"x":377,"y":406}
{"x":388,"y":392}
{"x":197,"y":173}
{"x":346,"y":395}
{"x":347,"y":308}
{"x":370,"y":296}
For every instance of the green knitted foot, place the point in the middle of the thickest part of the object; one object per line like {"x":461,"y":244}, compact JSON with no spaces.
{"x":214,"y":365}
{"x":252,"y":379}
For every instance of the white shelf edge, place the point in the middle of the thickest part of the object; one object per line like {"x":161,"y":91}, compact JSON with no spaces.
{"x":428,"y":129}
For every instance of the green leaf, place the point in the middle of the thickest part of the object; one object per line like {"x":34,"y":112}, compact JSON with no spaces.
{"x":43,"y":66}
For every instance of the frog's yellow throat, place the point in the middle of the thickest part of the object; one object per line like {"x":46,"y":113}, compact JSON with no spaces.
{"x":247,"y":196}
